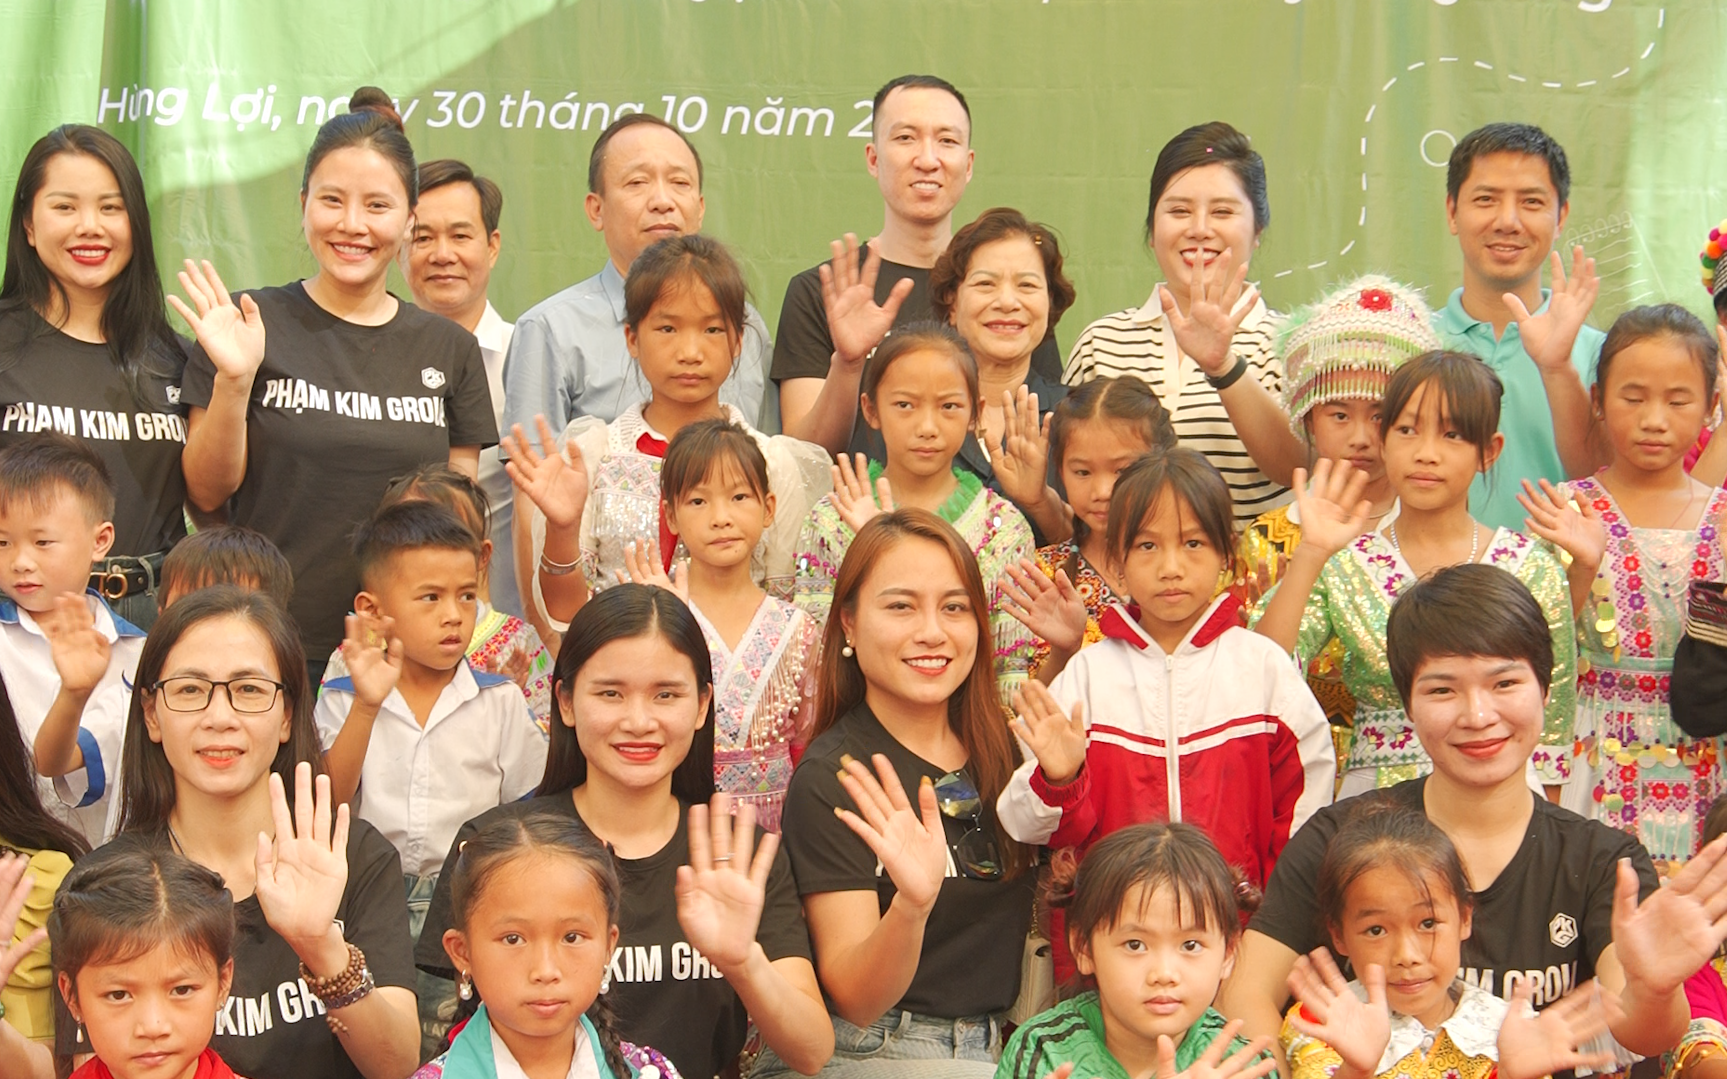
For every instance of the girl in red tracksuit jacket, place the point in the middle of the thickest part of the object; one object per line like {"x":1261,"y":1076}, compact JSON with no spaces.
{"x":1252,"y":755}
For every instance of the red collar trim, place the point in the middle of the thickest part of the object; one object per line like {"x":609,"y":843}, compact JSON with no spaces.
{"x":1121,"y":622}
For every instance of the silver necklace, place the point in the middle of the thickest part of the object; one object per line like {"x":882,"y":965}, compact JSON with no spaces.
{"x":1474,"y":539}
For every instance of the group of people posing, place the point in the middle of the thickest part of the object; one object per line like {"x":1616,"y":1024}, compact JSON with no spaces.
{"x":390,"y":690}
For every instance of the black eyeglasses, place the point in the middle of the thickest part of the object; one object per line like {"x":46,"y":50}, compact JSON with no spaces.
{"x":975,"y":853}
{"x":189,"y":693}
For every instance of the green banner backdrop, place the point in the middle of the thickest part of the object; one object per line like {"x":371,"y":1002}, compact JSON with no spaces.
{"x":1354,"y":104}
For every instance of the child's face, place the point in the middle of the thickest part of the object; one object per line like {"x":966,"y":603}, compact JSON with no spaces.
{"x":45,"y":553}
{"x":1157,"y":970}
{"x":1654,"y":403}
{"x":1478,"y":717}
{"x":150,"y":1017}
{"x":1413,"y":930}
{"x":635,"y":709}
{"x":722,"y":518}
{"x":1173,"y":570}
{"x":536,"y":946}
{"x":913,"y":626}
{"x":684,"y":345}
{"x":1349,"y":431}
{"x":923,"y":410}
{"x":432,"y":594}
{"x":1095,"y":454}
{"x":1429,"y":462}
{"x":218,"y":750}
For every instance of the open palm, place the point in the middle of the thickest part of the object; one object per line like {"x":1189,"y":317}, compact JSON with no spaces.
{"x":232,"y":336}
{"x":856,"y":322}
{"x":303,"y":870}
{"x":911,"y":845}
{"x":1215,"y":311}
{"x":556,"y":480}
{"x":722,"y":891}
{"x":1333,"y":513}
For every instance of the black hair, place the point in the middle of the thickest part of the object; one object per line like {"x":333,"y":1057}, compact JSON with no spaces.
{"x":1469,"y":396}
{"x":1180,"y":857}
{"x":698,"y":448}
{"x":623,"y":612}
{"x":1380,"y":832}
{"x":447,"y":170}
{"x":372,"y":123}
{"x":544,"y":833}
{"x":1216,"y":143}
{"x":37,"y":469}
{"x":1125,"y":400}
{"x":25,"y":824}
{"x":597,"y":156}
{"x":922,"y":336}
{"x":917,"y":82}
{"x":409,"y":526}
{"x":676,"y":261}
{"x":134,"y":315}
{"x":116,"y":907}
{"x":450,"y":488}
{"x":147,"y":787}
{"x":1661,"y":320}
{"x":1192,"y":479}
{"x":1508,"y":138}
{"x":1469,"y":610}
{"x":227,"y":554}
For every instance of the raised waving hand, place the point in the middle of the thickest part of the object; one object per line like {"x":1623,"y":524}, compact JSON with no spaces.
{"x":556,"y":480}
{"x":232,"y":335}
{"x":1214,"y":312}
{"x":856,"y":322}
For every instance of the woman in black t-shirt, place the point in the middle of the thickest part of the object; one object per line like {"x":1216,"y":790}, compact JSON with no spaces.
{"x":354,"y":388}
{"x":917,"y":914}
{"x":705,"y":942}
{"x":85,"y":346}
{"x":221,"y":721}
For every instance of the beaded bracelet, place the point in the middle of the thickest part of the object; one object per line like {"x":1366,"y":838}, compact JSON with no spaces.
{"x":351,"y":986}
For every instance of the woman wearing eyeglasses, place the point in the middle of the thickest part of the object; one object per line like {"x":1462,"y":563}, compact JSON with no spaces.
{"x":916,"y":901}
{"x":221,"y":723}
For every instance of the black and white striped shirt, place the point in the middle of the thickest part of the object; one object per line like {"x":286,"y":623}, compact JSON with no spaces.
{"x":1138,"y":342}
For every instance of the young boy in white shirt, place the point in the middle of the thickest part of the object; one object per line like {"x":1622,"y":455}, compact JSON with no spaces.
{"x":67,"y":657}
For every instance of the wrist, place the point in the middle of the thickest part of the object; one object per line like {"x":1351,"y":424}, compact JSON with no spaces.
{"x":1224,"y":373}
{"x":750,"y":968}
{"x":325,"y":955}
{"x":231,"y":383}
{"x":841,"y":362}
{"x":74,"y":696}
{"x":918,"y":912}
{"x":1310,"y":557}
{"x":1061,"y":779}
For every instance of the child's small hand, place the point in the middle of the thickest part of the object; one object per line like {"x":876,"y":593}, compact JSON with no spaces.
{"x":1573,"y":526}
{"x":1021,"y":451}
{"x":15,"y":884}
{"x":1531,"y":1046}
{"x":517,"y":666}
{"x":1056,"y":739}
{"x":722,"y":891}
{"x":642,"y":565}
{"x":1331,"y":1012}
{"x":555,"y":480}
{"x":1052,"y":609}
{"x":80,"y":651}
{"x":373,"y":654}
{"x":1212,"y":1064}
{"x":1332,"y":510}
{"x":851,"y":494}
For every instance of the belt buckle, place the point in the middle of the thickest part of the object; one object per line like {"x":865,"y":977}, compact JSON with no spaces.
{"x":113,"y":578}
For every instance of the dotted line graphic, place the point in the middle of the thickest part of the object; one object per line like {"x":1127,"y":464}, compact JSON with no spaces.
{"x":1408,"y":77}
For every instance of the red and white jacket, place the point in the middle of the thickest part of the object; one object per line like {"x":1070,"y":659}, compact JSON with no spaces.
{"x":1253,"y":753}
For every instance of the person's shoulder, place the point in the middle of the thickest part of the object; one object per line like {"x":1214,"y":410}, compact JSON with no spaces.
{"x":365,"y":843}
{"x":1564,"y":829}
{"x":1056,"y":1026}
{"x":807,"y":282}
{"x":569,"y":298}
{"x":826,"y":748}
{"x":1114,"y":324}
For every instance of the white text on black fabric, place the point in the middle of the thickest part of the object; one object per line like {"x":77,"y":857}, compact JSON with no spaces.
{"x":298,"y":395}
{"x":248,"y":1017}
{"x":93,"y":423}
{"x":646,"y":963}
{"x":1548,"y":985}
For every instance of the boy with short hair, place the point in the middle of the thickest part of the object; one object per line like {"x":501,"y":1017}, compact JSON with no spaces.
{"x":1556,"y":896}
{"x":226,"y":554}
{"x":66,"y":656}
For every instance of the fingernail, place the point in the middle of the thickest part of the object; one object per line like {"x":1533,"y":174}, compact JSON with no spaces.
{"x":928,"y":782}
{"x":845,"y":760}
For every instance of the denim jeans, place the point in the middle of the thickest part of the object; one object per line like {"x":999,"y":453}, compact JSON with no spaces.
{"x":904,"y":1045}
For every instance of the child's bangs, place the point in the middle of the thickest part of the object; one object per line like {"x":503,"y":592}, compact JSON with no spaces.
{"x":1195,"y":905}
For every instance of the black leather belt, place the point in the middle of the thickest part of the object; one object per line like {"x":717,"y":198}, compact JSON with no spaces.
{"x":126,"y":575}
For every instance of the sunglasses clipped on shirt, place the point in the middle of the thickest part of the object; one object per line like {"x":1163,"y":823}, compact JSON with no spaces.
{"x":975,"y":854}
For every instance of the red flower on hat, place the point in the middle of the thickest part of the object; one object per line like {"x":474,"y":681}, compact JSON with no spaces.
{"x":1375,"y":299}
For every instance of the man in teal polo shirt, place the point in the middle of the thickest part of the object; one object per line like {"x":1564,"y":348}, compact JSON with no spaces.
{"x":1507,"y":187}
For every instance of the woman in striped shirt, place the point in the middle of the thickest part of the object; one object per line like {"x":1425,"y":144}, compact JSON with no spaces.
{"x":1203,"y":340}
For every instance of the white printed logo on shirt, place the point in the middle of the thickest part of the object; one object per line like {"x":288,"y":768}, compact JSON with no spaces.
{"x":1562,"y":930}
{"x":432,"y":377}
{"x":173,"y":395}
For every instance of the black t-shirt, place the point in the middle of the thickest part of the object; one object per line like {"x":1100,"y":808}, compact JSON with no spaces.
{"x":663,"y":991}
{"x":52,"y":382}
{"x":803,"y":348}
{"x":339,"y":410}
{"x":1547,"y":918}
{"x":972,"y":943}
{"x":272,"y":1026}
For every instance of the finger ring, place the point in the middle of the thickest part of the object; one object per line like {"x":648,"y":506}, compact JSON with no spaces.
{"x":722,"y":858}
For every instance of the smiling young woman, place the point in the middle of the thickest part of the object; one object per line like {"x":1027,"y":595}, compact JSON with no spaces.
{"x":356,"y":387}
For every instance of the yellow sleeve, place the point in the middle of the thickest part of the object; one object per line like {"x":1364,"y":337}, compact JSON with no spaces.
{"x":1309,"y":1058}
{"x":29,"y":994}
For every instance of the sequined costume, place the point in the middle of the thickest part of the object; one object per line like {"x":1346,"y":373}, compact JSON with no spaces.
{"x":761,"y":690}
{"x":1352,"y":601}
{"x":1466,"y":1046}
{"x":501,"y":644}
{"x":1635,"y":769}
{"x":623,"y":503}
{"x":1089,"y":583}
{"x":996,"y":532}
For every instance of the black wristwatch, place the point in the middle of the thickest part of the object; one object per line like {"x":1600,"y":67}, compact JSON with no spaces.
{"x":1229,"y":377}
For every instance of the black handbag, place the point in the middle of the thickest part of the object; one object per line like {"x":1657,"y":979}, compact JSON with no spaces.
{"x":1699,"y":685}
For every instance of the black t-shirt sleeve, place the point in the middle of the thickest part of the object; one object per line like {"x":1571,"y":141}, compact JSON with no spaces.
{"x":374,"y":910}
{"x":803,"y":348}
{"x":1289,"y":913}
{"x":1603,"y":871}
{"x":471,"y":417}
{"x":199,"y":380}
{"x":782,"y":932}
{"x":826,"y":855}
{"x":429,"y":954}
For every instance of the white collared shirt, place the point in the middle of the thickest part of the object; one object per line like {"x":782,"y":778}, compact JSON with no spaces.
{"x":418,"y":786}
{"x":81,"y":798}
{"x":583,"y":1063}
